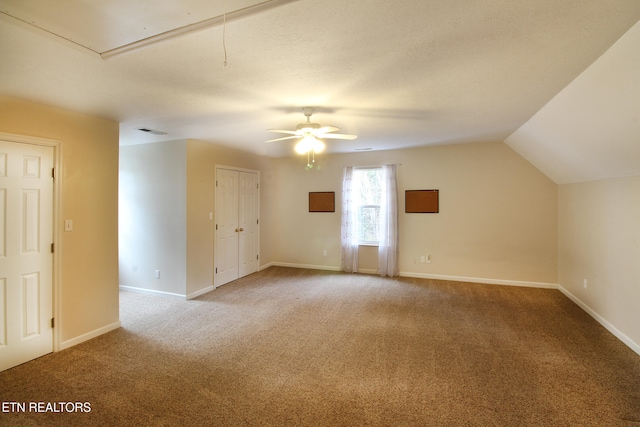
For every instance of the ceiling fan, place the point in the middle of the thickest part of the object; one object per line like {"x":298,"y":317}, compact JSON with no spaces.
{"x":310,"y":129}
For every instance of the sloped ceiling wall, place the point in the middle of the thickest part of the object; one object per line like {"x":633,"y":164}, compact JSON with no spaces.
{"x":591,"y":129}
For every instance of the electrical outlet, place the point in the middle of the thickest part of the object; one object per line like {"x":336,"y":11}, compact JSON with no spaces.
{"x":423,"y":259}
{"x":157,"y":274}
{"x":324,"y":252}
{"x":584,"y":283}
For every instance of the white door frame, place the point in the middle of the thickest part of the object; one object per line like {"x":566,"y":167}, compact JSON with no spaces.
{"x":235,"y":168}
{"x":57,"y":204}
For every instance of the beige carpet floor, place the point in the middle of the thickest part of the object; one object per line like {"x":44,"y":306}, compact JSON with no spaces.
{"x":291,"y":347}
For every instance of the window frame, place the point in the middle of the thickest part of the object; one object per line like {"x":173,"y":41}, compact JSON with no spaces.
{"x":365,"y":206}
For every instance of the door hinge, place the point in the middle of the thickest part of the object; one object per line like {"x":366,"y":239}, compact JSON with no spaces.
{"x":216,"y":226}
{"x":216,"y":270}
{"x":53,"y":173}
{"x":257,"y":256}
{"x":53,"y":322}
{"x":52,"y":247}
{"x":257,"y":221}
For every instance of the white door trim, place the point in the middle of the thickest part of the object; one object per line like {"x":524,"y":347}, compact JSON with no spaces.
{"x":57,"y":204}
{"x":234,"y":168}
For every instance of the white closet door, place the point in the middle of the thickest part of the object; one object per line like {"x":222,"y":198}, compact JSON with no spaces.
{"x":248,"y":215}
{"x":237,"y":225}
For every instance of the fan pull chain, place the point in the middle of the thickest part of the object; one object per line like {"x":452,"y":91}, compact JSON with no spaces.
{"x":311,"y":158}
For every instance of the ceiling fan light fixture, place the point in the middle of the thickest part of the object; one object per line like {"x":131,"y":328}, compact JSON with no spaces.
{"x":309,"y":143}
{"x":318,"y":146}
{"x":304,"y":145}
{"x":310,"y":134}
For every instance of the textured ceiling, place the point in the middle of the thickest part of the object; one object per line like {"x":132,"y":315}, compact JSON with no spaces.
{"x":397,"y":74}
{"x":113,"y":26}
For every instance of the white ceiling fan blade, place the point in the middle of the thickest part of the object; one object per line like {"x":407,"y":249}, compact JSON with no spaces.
{"x":327,"y":129}
{"x":290,"y":132}
{"x":283,"y":138}
{"x":337,"y":136}
{"x":310,"y":129}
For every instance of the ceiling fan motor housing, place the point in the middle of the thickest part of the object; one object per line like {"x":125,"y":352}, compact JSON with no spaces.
{"x":313,"y":130}
{"x":305,"y":127}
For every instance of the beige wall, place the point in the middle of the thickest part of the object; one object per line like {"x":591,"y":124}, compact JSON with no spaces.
{"x":88,"y":256}
{"x":497,"y":220}
{"x":202,"y":159}
{"x":599,"y":241}
{"x":167,"y":192}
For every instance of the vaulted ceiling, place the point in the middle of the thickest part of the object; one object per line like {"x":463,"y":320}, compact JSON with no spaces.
{"x":591,"y":129}
{"x":396,"y":73}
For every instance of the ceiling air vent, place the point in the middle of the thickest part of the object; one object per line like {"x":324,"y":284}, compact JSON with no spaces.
{"x":152,"y":131}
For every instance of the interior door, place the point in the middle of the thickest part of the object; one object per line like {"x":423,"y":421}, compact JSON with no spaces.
{"x":226,"y":247}
{"x":26,"y":260}
{"x":248,"y":219}
{"x":237,"y":225}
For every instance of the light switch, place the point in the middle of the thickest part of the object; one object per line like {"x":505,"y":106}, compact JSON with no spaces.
{"x":68,"y":225}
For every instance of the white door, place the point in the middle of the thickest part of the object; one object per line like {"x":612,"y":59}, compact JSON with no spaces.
{"x":226,"y":247}
{"x":237,"y":225}
{"x":26,"y":260}
{"x":248,"y":218}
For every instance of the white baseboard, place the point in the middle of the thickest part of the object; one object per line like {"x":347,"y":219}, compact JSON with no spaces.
{"x":608,"y":326}
{"x":167,"y":294}
{"x":89,"y":335}
{"x":307,"y":266}
{"x":151,"y":292}
{"x":200,"y":292}
{"x":424,"y":276}
{"x":265,"y":266}
{"x":503,"y":282}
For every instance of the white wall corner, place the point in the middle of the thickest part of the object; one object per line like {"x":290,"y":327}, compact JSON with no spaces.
{"x":89,"y":335}
{"x":608,"y":326}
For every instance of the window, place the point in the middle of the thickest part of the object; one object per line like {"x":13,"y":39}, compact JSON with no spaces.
{"x":369,"y":217}
{"x":367,"y":195}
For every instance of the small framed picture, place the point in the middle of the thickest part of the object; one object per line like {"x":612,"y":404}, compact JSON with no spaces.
{"x":322,"y":201}
{"x":421,"y":201}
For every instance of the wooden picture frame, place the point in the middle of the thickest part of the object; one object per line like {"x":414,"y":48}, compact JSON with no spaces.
{"x":322,"y":201}
{"x":421,"y":201}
